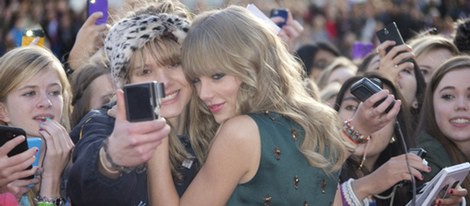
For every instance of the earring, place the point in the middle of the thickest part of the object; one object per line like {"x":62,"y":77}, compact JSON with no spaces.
{"x":414,"y":104}
{"x":393,"y":140}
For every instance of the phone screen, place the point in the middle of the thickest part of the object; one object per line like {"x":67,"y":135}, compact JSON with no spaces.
{"x":98,"y":6}
{"x":141,"y":101}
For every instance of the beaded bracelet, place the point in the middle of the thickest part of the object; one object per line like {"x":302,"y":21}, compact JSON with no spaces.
{"x":353,"y":134}
{"x":45,"y":201}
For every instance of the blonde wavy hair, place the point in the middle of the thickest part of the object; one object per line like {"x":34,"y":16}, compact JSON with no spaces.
{"x":235,"y":42}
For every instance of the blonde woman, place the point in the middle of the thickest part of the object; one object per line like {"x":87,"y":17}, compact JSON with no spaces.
{"x":272,"y":142}
{"x":35,"y":96}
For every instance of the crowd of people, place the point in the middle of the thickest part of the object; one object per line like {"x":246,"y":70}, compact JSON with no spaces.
{"x":251,"y":115}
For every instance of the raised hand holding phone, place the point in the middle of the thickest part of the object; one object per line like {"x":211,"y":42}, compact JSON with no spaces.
{"x":364,"y":88}
{"x":279,"y":16}
{"x":390,"y":32}
{"x":132,"y":143}
{"x":398,"y":52}
{"x":370,"y":116}
{"x":98,"y":6}
{"x":89,"y":39}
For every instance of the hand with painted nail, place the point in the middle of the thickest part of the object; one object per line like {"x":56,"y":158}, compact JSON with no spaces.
{"x":370,"y":117}
{"x":453,"y":198}
{"x":390,"y":173}
{"x":57,"y":154}
{"x":14,"y":167}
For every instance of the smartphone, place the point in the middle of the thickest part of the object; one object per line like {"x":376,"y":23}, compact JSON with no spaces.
{"x":390,"y":32}
{"x":280,"y":12}
{"x":9,"y":133}
{"x":35,"y":142}
{"x":364,"y":88}
{"x":143,"y":100}
{"x":96,"y":6}
{"x":28,"y":35}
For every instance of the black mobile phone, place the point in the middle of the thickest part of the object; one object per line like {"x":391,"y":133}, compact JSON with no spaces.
{"x":143,"y":100}
{"x":9,"y":133}
{"x":419,"y":151}
{"x":390,"y":32}
{"x":364,"y":88}
{"x":281,"y":12}
{"x":96,"y":6}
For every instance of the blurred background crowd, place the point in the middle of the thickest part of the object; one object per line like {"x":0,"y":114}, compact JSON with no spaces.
{"x":340,"y":22}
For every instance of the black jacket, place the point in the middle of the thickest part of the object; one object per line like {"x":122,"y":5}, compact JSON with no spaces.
{"x":87,"y":186}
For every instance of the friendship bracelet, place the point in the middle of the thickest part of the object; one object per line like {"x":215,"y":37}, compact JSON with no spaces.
{"x":114,"y":166}
{"x":45,"y":201}
{"x":348,"y":196}
{"x":102,"y":155}
{"x":353,"y":134}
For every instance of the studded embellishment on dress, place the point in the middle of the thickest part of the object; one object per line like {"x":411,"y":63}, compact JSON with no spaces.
{"x":296,"y":182}
{"x":323,"y":185}
{"x":293,"y":132}
{"x":267,"y":200}
{"x":277,"y":153}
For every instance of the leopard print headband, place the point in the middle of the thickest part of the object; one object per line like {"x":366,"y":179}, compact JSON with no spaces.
{"x":132,"y":33}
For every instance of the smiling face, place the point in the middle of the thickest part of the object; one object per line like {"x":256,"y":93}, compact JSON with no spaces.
{"x":452,"y":106}
{"x":33,"y":101}
{"x":219,"y":93}
{"x":177,"y":88}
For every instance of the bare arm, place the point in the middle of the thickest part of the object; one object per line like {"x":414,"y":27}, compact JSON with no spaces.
{"x":233,"y":159}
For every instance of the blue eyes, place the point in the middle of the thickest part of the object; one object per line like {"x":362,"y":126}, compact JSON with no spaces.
{"x":216,"y":76}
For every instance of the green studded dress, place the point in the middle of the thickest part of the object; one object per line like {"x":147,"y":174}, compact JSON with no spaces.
{"x":284,"y":176}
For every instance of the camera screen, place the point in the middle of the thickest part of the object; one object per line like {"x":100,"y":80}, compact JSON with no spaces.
{"x":140,"y":102}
